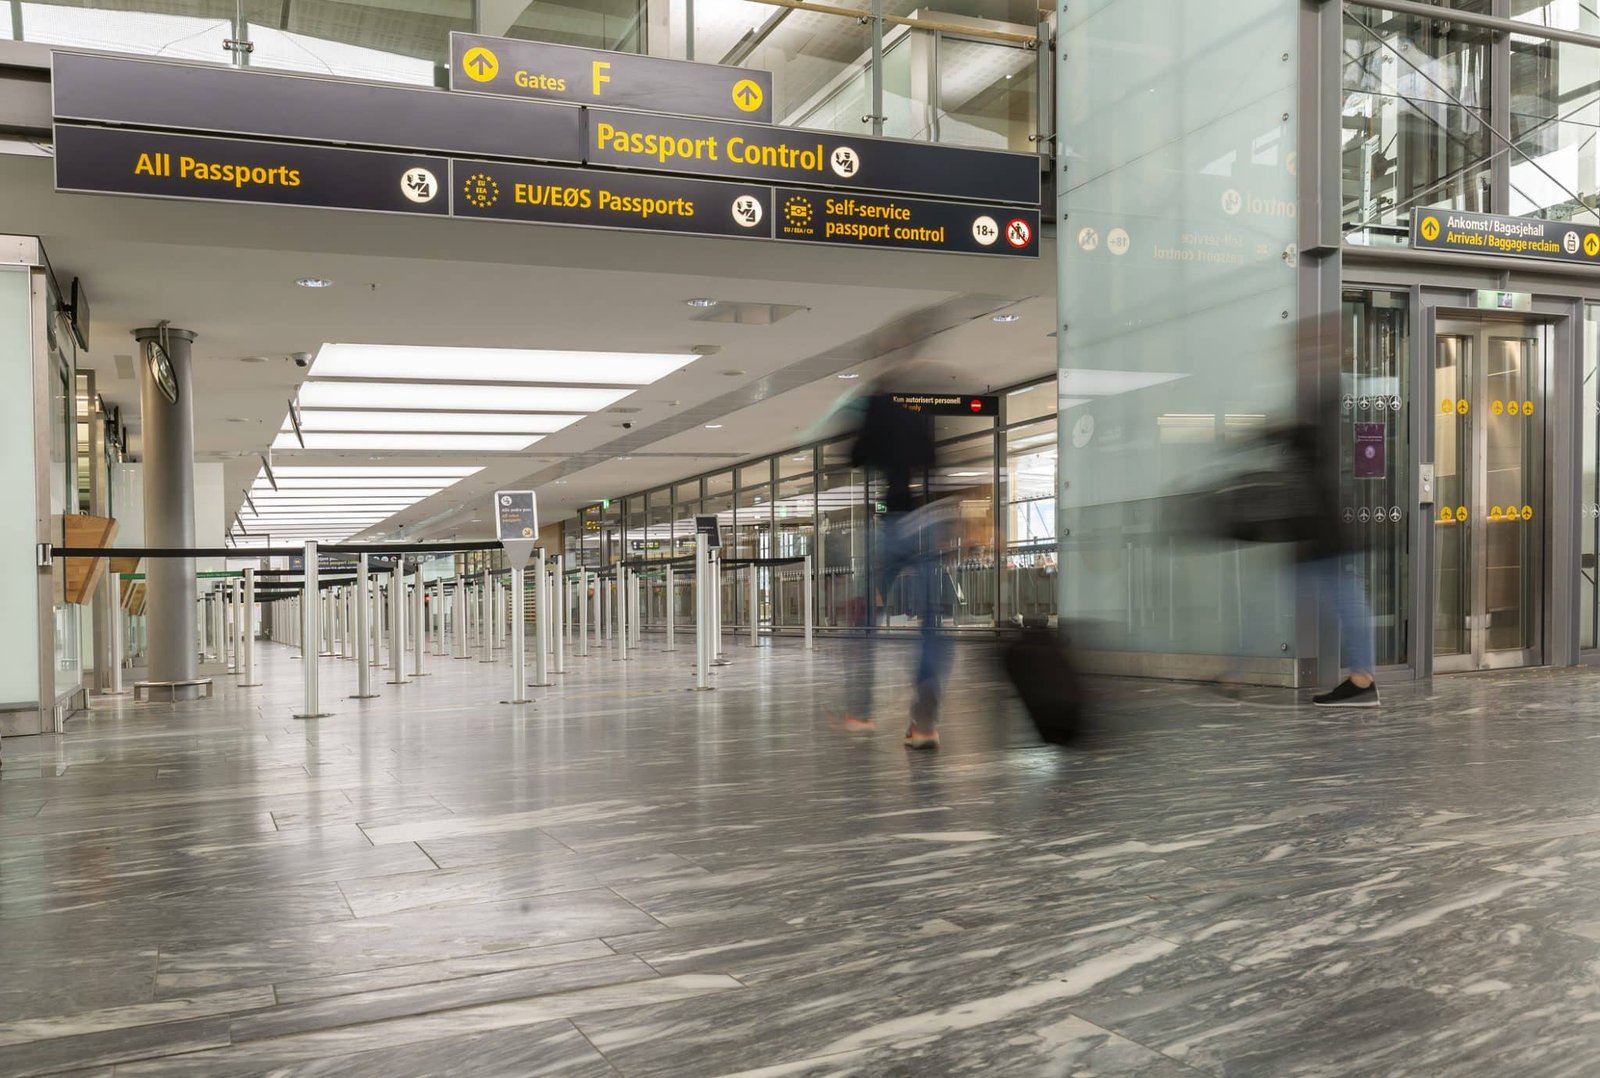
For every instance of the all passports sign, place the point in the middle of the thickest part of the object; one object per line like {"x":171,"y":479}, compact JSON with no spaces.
{"x":1505,"y":237}
{"x":516,"y":515}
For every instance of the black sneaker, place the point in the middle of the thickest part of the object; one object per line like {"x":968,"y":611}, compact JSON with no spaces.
{"x":1349,"y":694}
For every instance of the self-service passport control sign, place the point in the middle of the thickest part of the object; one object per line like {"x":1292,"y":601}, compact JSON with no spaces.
{"x":535,"y":69}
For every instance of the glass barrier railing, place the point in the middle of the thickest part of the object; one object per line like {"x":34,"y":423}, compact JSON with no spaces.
{"x":963,"y":78}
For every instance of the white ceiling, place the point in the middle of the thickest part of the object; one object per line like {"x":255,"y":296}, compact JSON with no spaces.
{"x":228,"y":273}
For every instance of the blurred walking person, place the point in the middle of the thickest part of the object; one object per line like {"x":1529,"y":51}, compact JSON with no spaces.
{"x":896,"y":444}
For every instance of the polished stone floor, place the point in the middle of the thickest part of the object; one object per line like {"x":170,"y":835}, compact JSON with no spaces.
{"x":629,"y":878}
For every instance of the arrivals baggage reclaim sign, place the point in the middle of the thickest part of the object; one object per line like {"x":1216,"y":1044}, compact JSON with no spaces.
{"x":1505,"y":237}
{"x":184,"y":131}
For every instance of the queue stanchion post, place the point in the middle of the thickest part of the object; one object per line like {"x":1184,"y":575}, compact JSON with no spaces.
{"x":619,"y":602}
{"x":806,"y":596}
{"x":363,"y":603}
{"x":672,"y":614}
{"x":249,"y":639}
{"x":558,"y":607}
{"x":603,"y":626}
{"x":397,"y":625}
{"x":487,"y":618}
{"x":702,"y":617}
{"x":541,"y":623}
{"x":636,"y":617}
{"x":755,"y":606}
{"x":717,"y":658}
{"x":310,"y":630}
{"x":419,"y":620}
{"x":458,"y":615}
{"x":583,"y":612}
{"x":519,"y":676}
{"x":440,"y":640}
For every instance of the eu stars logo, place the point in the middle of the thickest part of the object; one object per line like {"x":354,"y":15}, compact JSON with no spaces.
{"x":481,"y":190}
{"x":799,"y":216}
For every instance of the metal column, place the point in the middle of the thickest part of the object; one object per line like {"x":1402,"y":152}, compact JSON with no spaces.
{"x":672,"y":627}
{"x":807,"y":596}
{"x":419,"y":623}
{"x":541,"y":622}
{"x":519,"y":676}
{"x":397,"y":625}
{"x":363,"y":602}
{"x":310,"y":629}
{"x":755,"y":606}
{"x":583,"y":612}
{"x":558,"y":579}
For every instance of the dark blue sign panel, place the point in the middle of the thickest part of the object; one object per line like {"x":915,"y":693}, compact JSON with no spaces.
{"x":574,"y":196}
{"x":127,"y":162}
{"x":790,"y":155}
{"x":539,"y":70}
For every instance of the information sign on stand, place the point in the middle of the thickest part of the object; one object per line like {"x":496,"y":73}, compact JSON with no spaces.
{"x":707,"y":526}
{"x":516,"y":516}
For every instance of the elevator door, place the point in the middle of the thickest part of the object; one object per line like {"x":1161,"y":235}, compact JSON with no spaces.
{"x":1489,"y":517}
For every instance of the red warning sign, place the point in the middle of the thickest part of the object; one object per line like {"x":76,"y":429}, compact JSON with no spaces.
{"x":1019,"y":233}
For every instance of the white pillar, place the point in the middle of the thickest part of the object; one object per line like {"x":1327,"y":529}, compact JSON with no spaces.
{"x":310,"y":630}
{"x":755,"y":606}
{"x":519,"y":672}
{"x":364,"y":636}
{"x":249,"y":636}
{"x":806,"y":595}
{"x":541,"y":621}
{"x":672,"y":614}
{"x":397,"y":625}
{"x":558,"y":607}
{"x":419,"y":625}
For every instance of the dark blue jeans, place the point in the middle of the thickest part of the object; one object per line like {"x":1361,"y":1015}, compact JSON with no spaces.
{"x":906,"y":547}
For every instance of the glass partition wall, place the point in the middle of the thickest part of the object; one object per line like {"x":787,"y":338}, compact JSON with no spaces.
{"x":966,"y":75}
{"x":996,"y":567}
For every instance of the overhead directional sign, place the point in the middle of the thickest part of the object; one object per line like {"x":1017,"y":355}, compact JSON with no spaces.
{"x":795,"y":156}
{"x":910,"y":223}
{"x":574,"y":196}
{"x":948,"y":404}
{"x":229,"y":101}
{"x":536,"y":69}
{"x":1505,"y":237}
{"x":129,"y":162}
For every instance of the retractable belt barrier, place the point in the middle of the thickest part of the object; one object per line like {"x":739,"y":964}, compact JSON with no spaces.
{"x":350,"y":620}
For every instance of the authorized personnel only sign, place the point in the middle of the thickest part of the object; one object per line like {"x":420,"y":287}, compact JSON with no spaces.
{"x":1505,"y":237}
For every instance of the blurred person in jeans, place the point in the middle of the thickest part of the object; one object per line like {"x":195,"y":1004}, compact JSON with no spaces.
{"x":895,"y":443}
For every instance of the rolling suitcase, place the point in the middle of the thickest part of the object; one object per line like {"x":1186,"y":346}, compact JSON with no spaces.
{"x":1041,"y":668}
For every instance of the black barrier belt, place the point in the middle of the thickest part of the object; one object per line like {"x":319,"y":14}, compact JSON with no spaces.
{"x":268,"y":552}
{"x":727,"y":563}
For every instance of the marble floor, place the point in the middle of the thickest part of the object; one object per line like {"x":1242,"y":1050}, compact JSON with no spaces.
{"x":629,"y":878}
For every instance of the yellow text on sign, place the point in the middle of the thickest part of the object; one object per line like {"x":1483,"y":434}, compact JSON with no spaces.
{"x":480,"y":64}
{"x":600,"y":76}
{"x":747,"y":95}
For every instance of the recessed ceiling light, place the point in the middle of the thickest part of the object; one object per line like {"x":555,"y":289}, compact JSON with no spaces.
{"x":701,"y":301}
{"x":734,"y":372}
{"x":1007,"y":317}
{"x":238,"y":419}
{"x":314,"y":282}
{"x":486,"y":443}
{"x":434,"y":422}
{"x":713,"y":426}
{"x":253,"y":359}
{"x":422,"y":363}
{"x":425,"y":397}
{"x":849,"y":376}
{"x":801,"y":457}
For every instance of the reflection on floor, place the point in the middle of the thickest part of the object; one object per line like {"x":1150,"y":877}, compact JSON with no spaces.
{"x":631,"y":878}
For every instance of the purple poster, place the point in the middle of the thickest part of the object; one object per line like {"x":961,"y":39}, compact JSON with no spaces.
{"x":1370,"y":460}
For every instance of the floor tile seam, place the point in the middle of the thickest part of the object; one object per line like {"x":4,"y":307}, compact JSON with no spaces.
{"x":457,"y":977}
{"x":430,"y":1012}
{"x":607,"y":1060}
{"x":1111,"y":1030}
{"x":630,"y":902}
